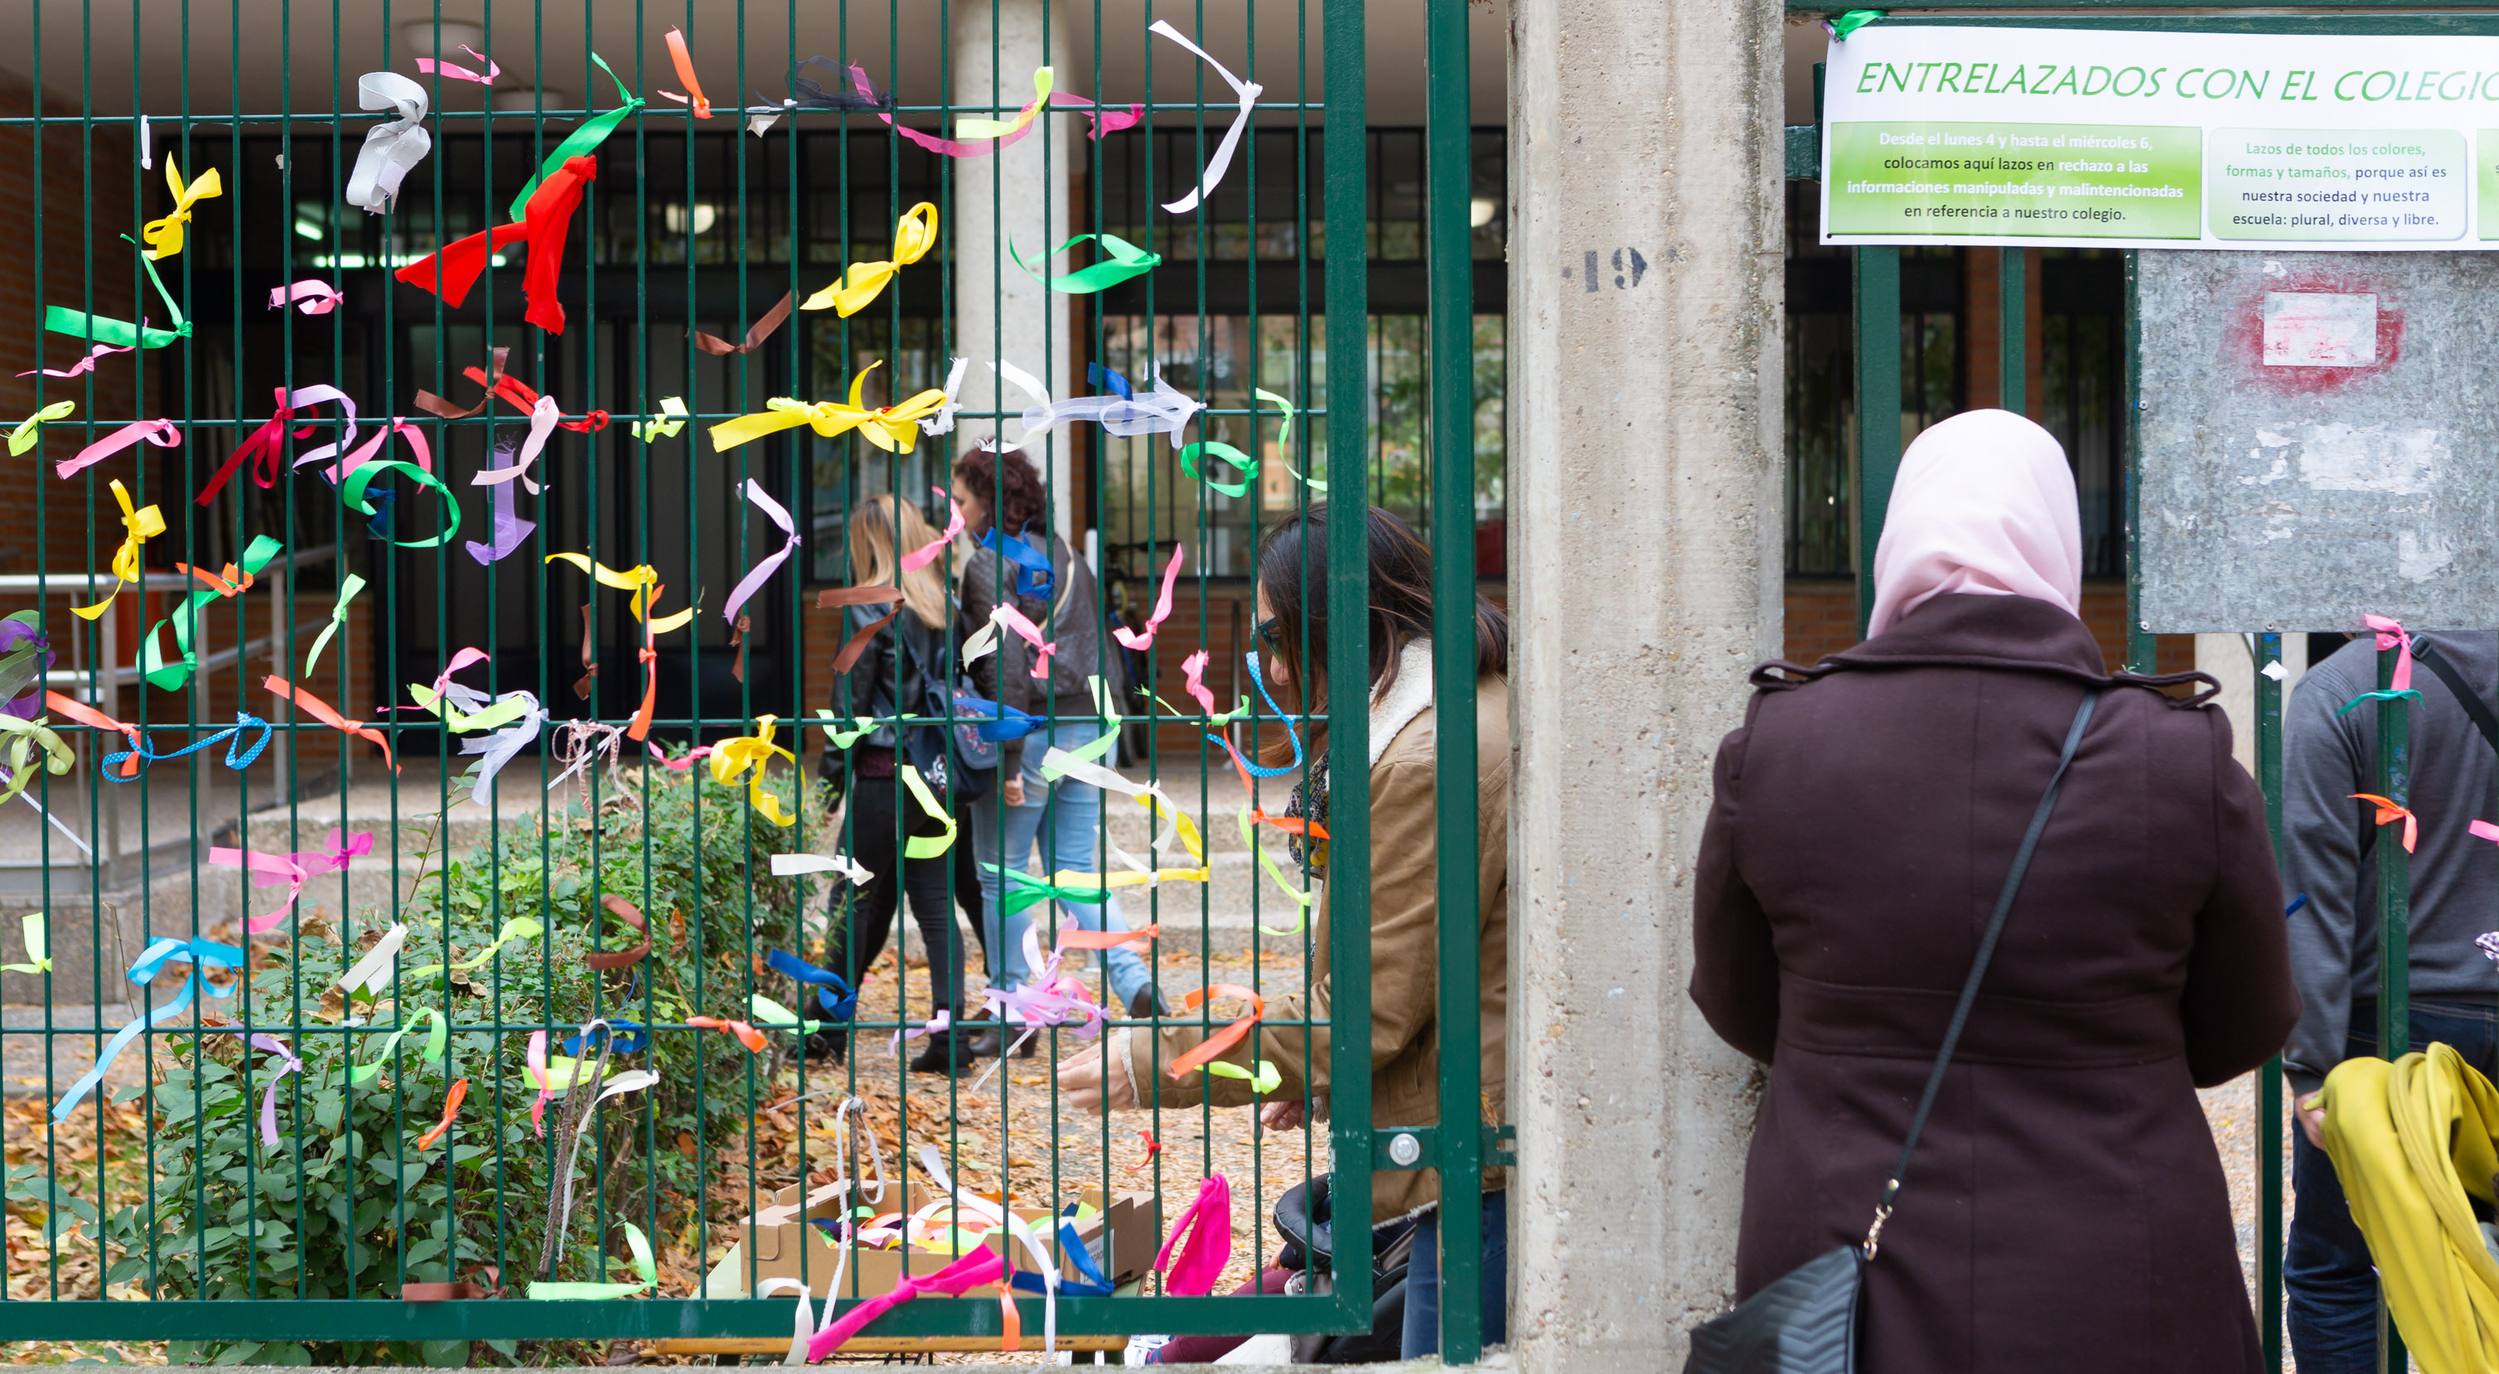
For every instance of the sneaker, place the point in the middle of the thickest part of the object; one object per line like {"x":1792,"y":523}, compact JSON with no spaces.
{"x":832,"y":1043}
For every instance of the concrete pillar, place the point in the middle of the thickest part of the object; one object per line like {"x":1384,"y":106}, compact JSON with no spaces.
{"x":2227,"y":659}
{"x":1000,"y":311}
{"x":1646,"y":293}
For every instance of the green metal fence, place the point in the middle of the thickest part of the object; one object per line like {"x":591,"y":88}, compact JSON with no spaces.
{"x":1878,"y":400}
{"x":164,"y":1211}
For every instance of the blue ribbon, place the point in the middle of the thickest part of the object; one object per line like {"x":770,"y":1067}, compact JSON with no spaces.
{"x":839,"y":1000}
{"x":237,"y":756}
{"x":1098,"y":375}
{"x":998,"y":721}
{"x":614,"y":1033}
{"x":381,"y":500}
{"x":1089,"y":1282}
{"x":1268,"y":697}
{"x":198,"y":954}
{"x":1032,"y":578}
{"x":2296,"y":903}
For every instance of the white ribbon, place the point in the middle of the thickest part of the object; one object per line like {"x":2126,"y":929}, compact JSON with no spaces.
{"x":372,"y":972}
{"x":1246,"y":92}
{"x":1042,"y":1263}
{"x":392,"y":148}
{"x":542,"y":418}
{"x":797,"y":865}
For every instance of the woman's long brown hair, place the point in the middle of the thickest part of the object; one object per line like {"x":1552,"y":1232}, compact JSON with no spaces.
{"x":1294,"y":556}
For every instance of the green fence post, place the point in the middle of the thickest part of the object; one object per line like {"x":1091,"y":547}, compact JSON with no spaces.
{"x":2269,"y":1078}
{"x":2394,"y":902}
{"x":1876,"y":276}
{"x":1452,"y":431}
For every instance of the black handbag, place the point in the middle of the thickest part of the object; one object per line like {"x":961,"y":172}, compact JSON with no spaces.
{"x":1805,"y":1322}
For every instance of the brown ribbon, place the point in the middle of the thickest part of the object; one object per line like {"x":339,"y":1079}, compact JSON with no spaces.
{"x":610,"y":961}
{"x":857,"y":644}
{"x":756,"y":333}
{"x":488,"y":1284}
{"x":432,"y":404}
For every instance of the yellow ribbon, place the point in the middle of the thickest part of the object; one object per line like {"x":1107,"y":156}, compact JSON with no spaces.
{"x":653,"y":430}
{"x":863,"y":282}
{"x":735,"y":757}
{"x":37,"y":949}
{"x":23,"y":437}
{"x":138,"y":527}
{"x":640,"y":580}
{"x":1189,"y":839}
{"x":164,"y":236}
{"x":974,"y":129}
{"x":894,"y":428}
{"x":923,"y":846}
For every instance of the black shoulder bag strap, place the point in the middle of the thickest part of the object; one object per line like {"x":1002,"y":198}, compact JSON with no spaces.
{"x":1978,"y":967}
{"x":2474,"y":707}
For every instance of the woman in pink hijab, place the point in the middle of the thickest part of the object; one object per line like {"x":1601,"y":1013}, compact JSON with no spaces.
{"x":2063,"y":1209}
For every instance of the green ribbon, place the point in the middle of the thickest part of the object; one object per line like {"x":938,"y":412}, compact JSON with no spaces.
{"x":1024,"y":890}
{"x":1267,"y":862}
{"x":24,"y":736}
{"x":435,"y":1039}
{"x":1265,"y":1081}
{"x":170,"y":677}
{"x":1246,"y":465}
{"x":1284,"y":440}
{"x":642,"y":1262}
{"x":104,"y":329}
{"x":37,"y":948}
{"x":1850,"y":22}
{"x":861,"y":727}
{"x":765,"y":1014}
{"x":2378,"y":696}
{"x":1123,"y":261}
{"x":348,"y":587}
{"x":516,"y":929}
{"x":585,"y":137}
{"x":352,"y":494}
{"x":19,"y":667}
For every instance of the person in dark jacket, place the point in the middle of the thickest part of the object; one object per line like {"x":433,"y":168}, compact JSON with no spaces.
{"x":2065,"y":1210}
{"x":2329,"y":842}
{"x":1001,"y":495}
{"x":891,"y":678}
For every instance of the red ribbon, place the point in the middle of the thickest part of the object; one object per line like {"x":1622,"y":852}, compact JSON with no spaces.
{"x":266,"y":448}
{"x":524,"y":397}
{"x":451,"y":271}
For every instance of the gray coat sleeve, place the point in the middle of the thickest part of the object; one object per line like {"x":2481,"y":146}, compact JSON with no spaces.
{"x":2322,"y":831}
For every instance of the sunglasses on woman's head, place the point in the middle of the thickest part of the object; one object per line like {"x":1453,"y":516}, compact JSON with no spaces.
{"x":1270,"y":632}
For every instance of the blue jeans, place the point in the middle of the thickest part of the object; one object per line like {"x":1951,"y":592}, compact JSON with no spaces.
{"x":1423,"y":1281}
{"x":1065,"y":819}
{"x":2332,"y":1295}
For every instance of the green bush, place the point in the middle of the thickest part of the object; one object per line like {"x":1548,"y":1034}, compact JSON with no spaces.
{"x":232,"y":1219}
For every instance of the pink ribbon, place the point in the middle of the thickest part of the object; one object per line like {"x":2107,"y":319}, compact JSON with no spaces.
{"x":85,"y":364}
{"x":1103,"y":120}
{"x":269,"y":1095}
{"x":1154,"y":622}
{"x":2484,"y":830}
{"x":1013,"y":619}
{"x":976,"y":1270}
{"x":417,"y":447}
{"x":935,"y":1025}
{"x":683,"y":761}
{"x":312,"y":296}
{"x":1193,"y":677}
{"x":538,"y":1075}
{"x":294,"y":870}
{"x":1203,"y":1238}
{"x":770,"y":563}
{"x":927,"y":553}
{"x":452,"y":72}
{"x":2391,"y":635}
{"x":162,"y":433}
{"x":543,"y":416}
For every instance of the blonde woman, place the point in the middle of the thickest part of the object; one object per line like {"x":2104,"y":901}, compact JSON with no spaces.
{"x":900,"y":672}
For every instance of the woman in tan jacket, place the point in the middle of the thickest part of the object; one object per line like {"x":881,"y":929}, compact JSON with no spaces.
{"x":1403,"y":1030}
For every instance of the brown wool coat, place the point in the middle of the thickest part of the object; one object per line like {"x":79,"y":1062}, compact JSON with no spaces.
{"x":1405,"y":963}
{"x":2066,"y":1209}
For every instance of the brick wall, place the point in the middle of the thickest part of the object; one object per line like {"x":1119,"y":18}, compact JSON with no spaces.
{"x":1822,"y":619}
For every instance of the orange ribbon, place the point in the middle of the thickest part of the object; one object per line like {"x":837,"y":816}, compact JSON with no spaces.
{"x":323,"y":712}
{"x":2389,"y":812}
{"x":231,"y":582}
{"x":84,"y":714}
{"x":451,"y":1108}
{"x":450,"y":271}
{"x":1214,"y":1045}
{"x":747,"y":1035}
{"x":684,"y":61}
{"x":1290,"y":825}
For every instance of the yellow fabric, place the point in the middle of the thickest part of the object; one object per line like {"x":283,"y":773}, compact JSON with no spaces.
{"x":2412,"y":1141}
{"x":914,"y":233}
{"x":732,"y":758}
{"x":164,"y":236}
{"x":138,"y":527}
{"x":894,"y":428}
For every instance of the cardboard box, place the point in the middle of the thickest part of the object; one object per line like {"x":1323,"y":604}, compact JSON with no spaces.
{"x":790,"y":1233}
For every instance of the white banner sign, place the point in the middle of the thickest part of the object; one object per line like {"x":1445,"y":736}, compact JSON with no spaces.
{"x":2105,"y":138}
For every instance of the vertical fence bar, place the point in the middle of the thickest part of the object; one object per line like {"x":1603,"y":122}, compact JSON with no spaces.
{"x":2142,"y":653}
{"x":1452,"y":433}
{"x":1349,"y":646}
{"x":1875,"y":274}
{"x":2394,"y":909}
{"x":2269,"y":1078}
{"x":2012,"y":329}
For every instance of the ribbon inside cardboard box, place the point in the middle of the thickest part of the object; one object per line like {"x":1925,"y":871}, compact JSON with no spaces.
{"x":798,"y":1239}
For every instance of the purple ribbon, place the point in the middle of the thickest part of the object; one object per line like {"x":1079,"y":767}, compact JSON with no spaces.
{"x":508,"y":529}
{"x":271,"y":1043}
{"x":771,"y":563}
